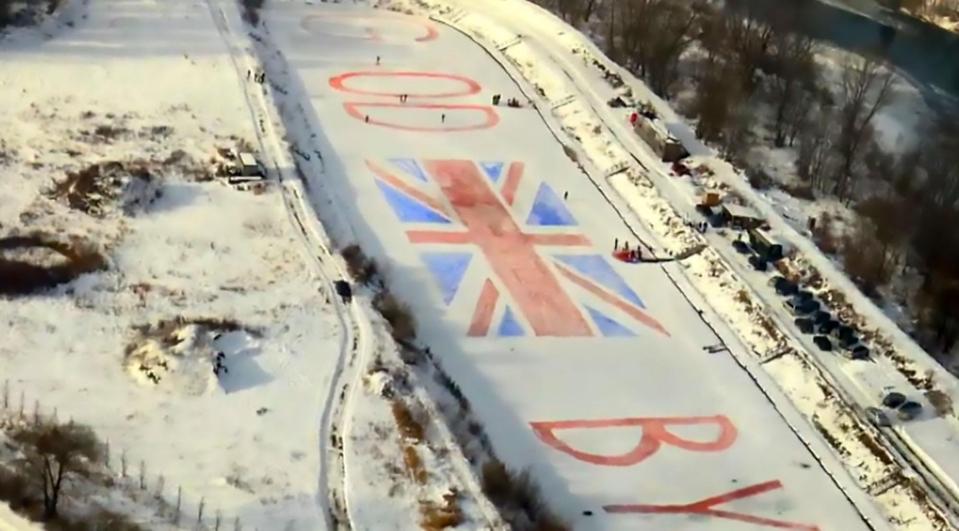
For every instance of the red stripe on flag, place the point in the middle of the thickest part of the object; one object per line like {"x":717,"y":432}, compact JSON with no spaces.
{"x":397,"y":183}
{"x":513,"y":177}
{"x":438,"y":236}
{"x":634,"y":312}
{"x":483,"y":315}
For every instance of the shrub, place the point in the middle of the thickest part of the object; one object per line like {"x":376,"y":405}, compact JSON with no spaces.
{"x":822,"y":235}
{"x":800,"y":191}
{"x":23,"y":278}
{"x":398,"y":314}
{"x":940,"y":401}
{"x":251,"y":10}
{"x":414,"y":465}
{"x":16,"y":489}
{"x":361,"y":267}
{"x":497,"y":481}
{"x":408,"y":425}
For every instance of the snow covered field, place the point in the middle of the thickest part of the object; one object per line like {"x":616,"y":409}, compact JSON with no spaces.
{"x":150,"y":85}
{"x":591,"y":372}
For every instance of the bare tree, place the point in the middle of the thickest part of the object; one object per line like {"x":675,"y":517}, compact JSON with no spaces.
{"x":651,"y":36}
{"x":794,"y":78}
{"x":866,"y":88}
{"x":817,"y":136}
{"x":55,"y":452}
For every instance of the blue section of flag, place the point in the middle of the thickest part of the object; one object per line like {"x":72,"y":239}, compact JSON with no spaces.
{"x":509,"y":326}
{"x":596,"y":268}
{"x":493,"y":170}
{"x":411,"y":167}
{"x":607,"y":326}
{"x":448,"y":270}
{"x":408,"y":209}
{"x":549,"y":210}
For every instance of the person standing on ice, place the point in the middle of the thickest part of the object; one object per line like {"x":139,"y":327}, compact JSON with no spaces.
{"x":565,"y":195}
{"x":615,"y":244}
{"x":377,"y":60}
{"x":443,"y":118}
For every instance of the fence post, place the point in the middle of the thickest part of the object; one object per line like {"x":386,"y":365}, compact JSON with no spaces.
{"x":179,"y":496}
{"x":216,"y":525}
{"x":106,"y":453}
{"x":236,"y":524}
{"x":21,"y":403}
{"x":123,"y":463}
{"x":6,"y":394}
{"x":36,"y":412}
{"x":199,"y":512}
{"x":161,"y":482}
{"x":143,"y":473}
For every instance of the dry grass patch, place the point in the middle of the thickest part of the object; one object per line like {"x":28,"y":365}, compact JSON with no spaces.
{"x":409,"y":427}
{"x":36,"y":262}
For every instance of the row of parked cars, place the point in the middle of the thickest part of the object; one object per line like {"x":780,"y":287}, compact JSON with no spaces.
{"x":829,"y":333}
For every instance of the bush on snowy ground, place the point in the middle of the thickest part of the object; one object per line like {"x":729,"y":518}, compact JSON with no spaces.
{"x":519,"y":499}
{"x":361,"y":267}
{"x":398,"y":314}
{"x":26,"y":265}
{"x":251,"y":10}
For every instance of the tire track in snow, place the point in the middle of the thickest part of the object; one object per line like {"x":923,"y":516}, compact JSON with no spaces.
{"x":354,"y":345}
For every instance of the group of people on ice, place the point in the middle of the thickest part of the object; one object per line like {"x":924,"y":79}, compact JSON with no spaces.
{"x":626,"y":254}
{"x":258,"y":76}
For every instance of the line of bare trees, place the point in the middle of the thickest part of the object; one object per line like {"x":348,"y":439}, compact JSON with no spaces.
{"x":750,"y":81}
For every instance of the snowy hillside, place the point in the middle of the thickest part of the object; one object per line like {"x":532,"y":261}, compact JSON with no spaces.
{"x":135,"y":98}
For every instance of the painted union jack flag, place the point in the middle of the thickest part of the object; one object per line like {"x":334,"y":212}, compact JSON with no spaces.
{"x":542,"y":277}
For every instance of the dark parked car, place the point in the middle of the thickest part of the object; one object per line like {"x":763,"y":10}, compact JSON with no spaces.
{"x":823,"y":343}
{"x":878,"y":417}
{"x":821,"y":317}
{"x":844,"y":331}
{"x":893,"y":400}
{"x":909,"y":410}
{"x":804,"y":325}
{"x":741,"y":247}
{"x":758,"y":263}
{"x":827,"y":327}
{"x":804,"y":295}
{"x":800,"y":307}
{"x":784,"y":286}
{"x":859,"y":352}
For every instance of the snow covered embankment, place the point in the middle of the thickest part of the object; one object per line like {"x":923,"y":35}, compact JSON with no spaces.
{"x":392,"y":461}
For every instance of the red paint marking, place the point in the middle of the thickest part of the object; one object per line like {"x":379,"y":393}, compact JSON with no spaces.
{"x":705,"y":507}
{"x":655,"y":434}
{"x":508,"y":250}
{"x":513,"y":177}
{"x":633,"y":312}
{"x":374,"y":35}
{"x":490,"y":118}
{"x":471,"y":87}
{"x":483,"y":315}
{"x":559,"y":239}
{"x":396,"y":182}
{"x":437,"y":236}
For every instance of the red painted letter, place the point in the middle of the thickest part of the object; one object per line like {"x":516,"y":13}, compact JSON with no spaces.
{"x":470,"y":87}
{"x":488,"y":117}
{"x":655,"y":434}
{"x":705,"y":508}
